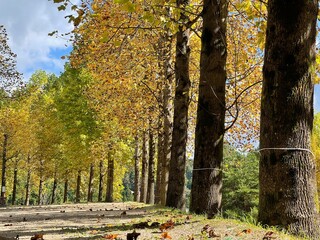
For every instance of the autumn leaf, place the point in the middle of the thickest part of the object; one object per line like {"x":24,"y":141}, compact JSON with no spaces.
{"x":111,"y":236}
{"x":166,"y":226}
{"x":165,"y":235}
{"x":37,"y":237}
{"x":245,"y":231}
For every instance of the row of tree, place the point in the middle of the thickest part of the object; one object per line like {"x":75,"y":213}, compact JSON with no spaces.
{"x":132,"y":85}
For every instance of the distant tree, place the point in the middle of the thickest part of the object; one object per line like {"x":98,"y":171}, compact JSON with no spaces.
{"x":9,"y":76}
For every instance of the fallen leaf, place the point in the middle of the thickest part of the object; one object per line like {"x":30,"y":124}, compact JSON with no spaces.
{"x":37,"y":237}
{"x":165,"y":235}
{"x":111,"y":236}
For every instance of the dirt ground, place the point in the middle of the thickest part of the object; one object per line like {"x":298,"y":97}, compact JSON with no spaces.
{"x":106,"y":220}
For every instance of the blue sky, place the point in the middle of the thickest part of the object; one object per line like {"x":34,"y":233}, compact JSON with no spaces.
{"x":28,"y":23}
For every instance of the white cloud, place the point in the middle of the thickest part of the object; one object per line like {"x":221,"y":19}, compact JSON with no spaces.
{"x":28,"y":23}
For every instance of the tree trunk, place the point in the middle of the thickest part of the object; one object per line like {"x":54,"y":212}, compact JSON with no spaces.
{"x":27,"y":199}
{"x":136,"y":171}
{"x":54,"y":188}
{"x":65,"y":191}
{"x":287,"y":169}
{"x":167,"y":114}
{"x":101,"y":176}
{"x":160,"y":156}
{"x":207,"y":174}
{"x":3,"y":199}
{"x":176,"y":187}
{"x":40,"y":191}
{"x":110,"y":177}
{"x":151,"y":172}
{"x":78,"y":194}
{"x":15,"y":182}
{"x":144,"y":170}
{"x":40,"y":183}
{"x":90,"y":189}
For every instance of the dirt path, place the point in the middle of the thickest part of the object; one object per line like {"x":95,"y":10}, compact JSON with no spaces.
{"x":74,"y":221}
{"x":98,"y":220}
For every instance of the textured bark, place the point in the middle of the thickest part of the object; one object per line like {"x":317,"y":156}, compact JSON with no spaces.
{"x":3,"y":199}
{"x":144,"y":170}
{"x":207,"y":174}
{"x":110,"y":178}
{"x":176,"y":186}
{"x":65,"y":190}
{"x":151,"y":172}
{"x":287,"y":176}
{"x":136,"y":171}
{"x":160,"y":156}
{"x":167,"y":114}
{"x":54,"y":189}
{"x":15,"y":182}
{"x":78,"y":188}
{"x":90,"y":184}
{"x":101,"y":176}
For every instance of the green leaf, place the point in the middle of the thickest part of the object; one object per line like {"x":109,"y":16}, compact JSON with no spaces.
{"x":121,"y":1}
{"x":58,"y":1}
{"x":62,"y":8}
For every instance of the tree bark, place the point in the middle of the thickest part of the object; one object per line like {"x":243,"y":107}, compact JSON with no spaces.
{"x":207,"y":174}
{"x":176,"y":186}
{"x":167,"y":113}
{"x":151,"y":172}
{"x":136,"y":171}
{"x":78,"y":189}
{"x":3,"y":199}
{"x":110,"y":177}
{"x":90,"y":185}
{"x":144,"y":170}
{"x":101,"y":176}
{"x":160,"y":156}
{"x":287,"y":169}
{"x":15,"y":182}
{"x":65,"y":190}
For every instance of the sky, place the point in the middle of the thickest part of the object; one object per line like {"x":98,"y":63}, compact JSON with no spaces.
{"x":28,"y":23}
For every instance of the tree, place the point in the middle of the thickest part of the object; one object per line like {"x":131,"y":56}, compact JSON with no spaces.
{"x":176,"y":185}
{"x":207,"y":174}
{"x":288,"y":194}
{"x":9,"y":76}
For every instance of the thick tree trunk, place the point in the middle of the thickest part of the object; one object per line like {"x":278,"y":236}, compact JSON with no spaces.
{"x":3,"y":198}
{"x":160,"y":156}
{"x":176,"y":186}
{"x":54,"y":189}
{"x":90,"y":185}
{"x":207,"y":174}
{"x":151,"y":172}
{"x":167,"y":115}
{"x":101,"y":176}
{"x":136,"y":171}
{"x":144,"y":170}
{"x":110,"y":177}
{"x":287,"y":167}
{"x":65,"y":190}
{"x":78,"y":188}
{"x":15,"y":182}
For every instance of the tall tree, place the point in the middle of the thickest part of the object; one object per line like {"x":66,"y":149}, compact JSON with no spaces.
{"x":176,"y":185}
{"x":287,"y":169}
{"x":207,"y":174}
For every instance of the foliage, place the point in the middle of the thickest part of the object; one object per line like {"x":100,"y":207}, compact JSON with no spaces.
{"x":240,"y":181}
